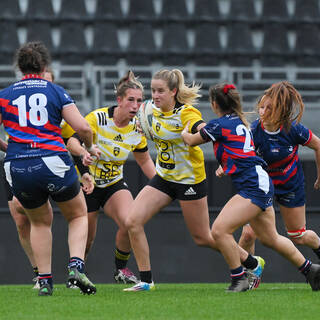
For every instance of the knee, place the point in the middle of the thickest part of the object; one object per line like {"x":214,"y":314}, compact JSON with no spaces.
{"x":248,"y":236}
{"x":203,"y":241}
{"x":131,"y":224}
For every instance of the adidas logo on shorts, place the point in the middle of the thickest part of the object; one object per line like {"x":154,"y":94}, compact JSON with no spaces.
{"x":190,"y":192}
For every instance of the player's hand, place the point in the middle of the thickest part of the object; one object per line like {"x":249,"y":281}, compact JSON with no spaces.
{"x":139,"y":129}
{"x":94,"y":151}
{"x":219,"y":172}
{"x":317,"y":184}
{"x":87,"y":159}
{"x":87,"y":183}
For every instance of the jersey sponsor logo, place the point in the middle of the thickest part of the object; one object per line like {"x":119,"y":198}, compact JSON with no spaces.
{"x":102,"y":118}
{"x":116,"y":151}
{"x":190,"y":192}
{"x":275,"y":150}
{"x":118,"y":138}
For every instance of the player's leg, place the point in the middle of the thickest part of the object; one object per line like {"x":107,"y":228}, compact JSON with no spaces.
{"x":247,"y":239}
{"x":295,"y":222}
{"x":117,"y":208}
{"x":92,"y":231}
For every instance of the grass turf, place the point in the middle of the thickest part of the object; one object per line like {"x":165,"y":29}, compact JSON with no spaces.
{"x":168,"y":301}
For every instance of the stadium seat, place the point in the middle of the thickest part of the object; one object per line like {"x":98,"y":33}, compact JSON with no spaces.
{"x":207,"y":50}
{"x":174,"y":50}
{"x":141,"y":11}
{"x":174,"y":10}
{"x":240,"y":47}
{"x":74,"y":10}
{"x":40,"y":31}
{"x":40,"y":10}
{"x":108,"y":10}
{"x":73,"y":48}
{"x":10,"y":10}
{"x":307,"y":45}
{"x":242,"y":10}
{"x":141,"y":49}
{"x":307,"y":11}
{"x":106,"y":48}
{"x":275,"y":49}
{"x":9,"y":41}
{"x":206,"y":11}
{"x":275,"y":11}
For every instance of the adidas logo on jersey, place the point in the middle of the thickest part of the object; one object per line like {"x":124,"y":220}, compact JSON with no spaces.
{"x":190,"y":192}
{"x":118,"y":138}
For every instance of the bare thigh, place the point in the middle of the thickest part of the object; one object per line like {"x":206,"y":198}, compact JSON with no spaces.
{"x":294,"y":218}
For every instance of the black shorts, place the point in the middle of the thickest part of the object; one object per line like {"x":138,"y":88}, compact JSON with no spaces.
{"x":6,"y":185}
{"x":100,"y":196}
{"x":178,"y":190}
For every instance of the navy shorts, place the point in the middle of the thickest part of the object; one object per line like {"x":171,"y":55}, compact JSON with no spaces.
{"x":33,"y":180}
{"x":98,"y":198}
{"x":6,"y":185}
{"x":178,"y":190}
{"x":292,"y":198}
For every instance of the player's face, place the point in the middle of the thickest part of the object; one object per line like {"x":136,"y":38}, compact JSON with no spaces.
{"x":131,"y":101}
{"x":265,"y":108}
{"x":162,"y":96}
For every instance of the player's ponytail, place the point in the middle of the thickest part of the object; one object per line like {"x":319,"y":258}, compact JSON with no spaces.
{"x":128,"y":81}
{"x":228,"y":99}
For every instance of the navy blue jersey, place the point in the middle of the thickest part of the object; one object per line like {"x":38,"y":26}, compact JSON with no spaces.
{"x":280,"y":151}
{"x":31,"y":113}
{"x":233,"y":144}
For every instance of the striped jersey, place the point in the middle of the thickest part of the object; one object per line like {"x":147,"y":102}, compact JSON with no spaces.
{"x":232,"y":143}
{"x":31,"y":114}
{"x":177,"y":162}
{"x":115,"y":144}
{"x":280,"y":150}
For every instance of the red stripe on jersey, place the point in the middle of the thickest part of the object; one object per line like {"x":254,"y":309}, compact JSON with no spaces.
{"x":281,"y":182}
{"x":239,"y":152}
{"x":310,"y":137}
{"x":285,"y":160}
{"x":32,"y":131}
{"x":285,"y":170}
{"x":38,"y":144}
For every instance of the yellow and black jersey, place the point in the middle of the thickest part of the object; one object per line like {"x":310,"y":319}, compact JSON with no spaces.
{"x":66,"y":131}
{"x":176,"y":161}
{"x":115,"y":145}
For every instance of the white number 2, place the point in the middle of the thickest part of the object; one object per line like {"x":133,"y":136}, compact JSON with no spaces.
{"x":242,"y":129}
{"x":38,"y":114}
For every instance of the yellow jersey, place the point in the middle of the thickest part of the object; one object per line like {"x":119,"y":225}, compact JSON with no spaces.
{"x":115,"y":145}
{"x":177,"y":162}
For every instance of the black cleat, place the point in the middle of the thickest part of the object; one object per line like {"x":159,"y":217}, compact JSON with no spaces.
{"x":81,"y":281}
{"x":45,"y":290}
{"x":313,"y":277}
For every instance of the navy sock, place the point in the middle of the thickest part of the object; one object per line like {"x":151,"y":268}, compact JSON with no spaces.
{"x":45,"y":278}
{"x":76,"y":262}
{"x":305,"y":268}
{"x":146,"y":276}
{"x":250,"y":263}
{"x":237,"y":273}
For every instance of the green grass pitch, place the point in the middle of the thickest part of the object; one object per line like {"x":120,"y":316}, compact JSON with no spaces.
{"x":169,"y":301}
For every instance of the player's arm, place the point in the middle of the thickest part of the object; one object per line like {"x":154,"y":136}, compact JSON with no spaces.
{"x":315,"y":145}
{"x":145,"y":163}
{"x":191,"y":139}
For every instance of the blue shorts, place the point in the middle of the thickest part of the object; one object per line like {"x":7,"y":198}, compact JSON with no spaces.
{"x":292,"y":198}
{"x":33,"y":180}
{"x":255,"y":184}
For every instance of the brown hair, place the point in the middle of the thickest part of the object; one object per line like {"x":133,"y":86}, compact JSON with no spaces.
{"x":128,"y":81}
{"x":228,"y":99}
{"x":32,"y":57}
{"x":285,"y":102}
{"x":175,"y":80}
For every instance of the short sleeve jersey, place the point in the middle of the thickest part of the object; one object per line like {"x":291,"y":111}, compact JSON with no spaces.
{"x":115,"y":144}
{"x":232,"y":143}
{"x":280,"y":150}
{"x":31,"y":112}
{"x":177,"y":162}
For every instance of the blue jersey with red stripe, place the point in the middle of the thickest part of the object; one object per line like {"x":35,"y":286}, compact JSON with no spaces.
{"x":233,"y":144}
{"x":280,"y":150}
{"x":31,"y":114}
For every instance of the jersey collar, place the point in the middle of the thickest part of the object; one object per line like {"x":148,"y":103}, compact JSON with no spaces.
{"x":31,"y":76}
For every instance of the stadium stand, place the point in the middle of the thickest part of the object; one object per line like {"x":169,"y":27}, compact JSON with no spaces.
{"x":242,"y":10}
{"x":74,"y":10}
{"x":141,"y":11}
{"x":40,"y":30}
{"x":108,"y":11}
{"x":9,"y":41}
{"x":40,"y":11}
{"x":174,"y":11}
{"x":10,"y":10}
{"x":275,"y":11}
{"x":306,"y":11}
{"x":207,"y":11}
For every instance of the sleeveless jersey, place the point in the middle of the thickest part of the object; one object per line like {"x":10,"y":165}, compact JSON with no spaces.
{"x":177,"y":162}
{"x":115,"y":145}
{"x":31,"y":114}
{"x":280,"y":150}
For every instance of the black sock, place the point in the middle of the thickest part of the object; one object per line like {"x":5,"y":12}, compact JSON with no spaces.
{"x":76,"y":262}
{"x":317,"y":252}
{"x":45,"y":278}
{"x":121,"y":258}
{"x":35,"y":271}
{"x":146,"y":276}
{"x":250,"y":263}
{"x":305,"y":268}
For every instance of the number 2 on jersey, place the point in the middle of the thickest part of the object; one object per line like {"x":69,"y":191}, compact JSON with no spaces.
{"x":242,"y":129}
{"x":38,"y":114}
